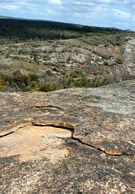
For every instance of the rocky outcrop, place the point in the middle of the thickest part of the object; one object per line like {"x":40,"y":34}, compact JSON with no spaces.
{"x":129,"y":56}
{"x":69,"y":62}
{"x":68,"y":141}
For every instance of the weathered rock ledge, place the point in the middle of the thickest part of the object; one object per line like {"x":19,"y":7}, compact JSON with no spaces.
{"x":68,"y":141}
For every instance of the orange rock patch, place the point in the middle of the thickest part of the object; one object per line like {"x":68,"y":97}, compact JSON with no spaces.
{"x":34,"y":143}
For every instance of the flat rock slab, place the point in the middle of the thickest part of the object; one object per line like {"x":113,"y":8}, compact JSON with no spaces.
{"x":34,"y":143}
{"x":68,"y":141}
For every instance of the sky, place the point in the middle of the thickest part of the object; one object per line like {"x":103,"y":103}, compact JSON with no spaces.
{"x":105,"y":13}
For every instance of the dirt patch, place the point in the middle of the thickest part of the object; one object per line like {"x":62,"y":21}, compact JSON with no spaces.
{"x":34,"y":142}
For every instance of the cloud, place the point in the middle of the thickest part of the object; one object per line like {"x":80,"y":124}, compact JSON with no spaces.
{"x":122,"y":14}
{"x":17,"y":5}
{"x":50,"y":11}
{"x":55,"y":2}
{"x":7,"y":6}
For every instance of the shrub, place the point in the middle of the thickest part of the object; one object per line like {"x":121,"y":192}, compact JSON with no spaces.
{"x":81,"y":82}
{"x":34,"y":85}
{"x":100,"y":82}
{"x":49,"y":73}
{"x":20,"y":77}
{"x":2,"y":84}
{"x":48,"y":87}
{"x":33,"y":76}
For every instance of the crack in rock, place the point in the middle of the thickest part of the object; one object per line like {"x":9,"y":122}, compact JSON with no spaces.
{"x":51,"y":131}
{"x":64,"y":125}
{"x":14,"y":129}
{"x":107,"y":152}
{"x":35,"y":142}
{"x":59,"y":124}
{"x":47,"y":106}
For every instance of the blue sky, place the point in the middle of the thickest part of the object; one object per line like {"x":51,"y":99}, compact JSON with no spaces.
{"x":107,"y":13}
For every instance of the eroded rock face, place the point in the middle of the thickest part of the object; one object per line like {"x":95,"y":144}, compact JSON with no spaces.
{"x":129,"y":56}
{"x":68,"y":141}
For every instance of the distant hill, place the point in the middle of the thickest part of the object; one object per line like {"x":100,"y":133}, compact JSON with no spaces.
{"x":24,"y":29}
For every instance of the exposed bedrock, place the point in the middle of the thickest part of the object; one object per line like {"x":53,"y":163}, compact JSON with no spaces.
{"x":68,"y":141}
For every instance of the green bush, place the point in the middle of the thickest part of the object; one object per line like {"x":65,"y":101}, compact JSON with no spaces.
{"x":34,"y":86}
{"x":100,"y":82}
{"x":81,"y":82}
{"x":33,"y":76}
{"x":48,"y":87}
{"x":20,"y":77}
{"x":2,"y":84}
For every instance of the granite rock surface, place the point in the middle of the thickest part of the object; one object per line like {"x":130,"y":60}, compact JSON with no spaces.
{"x":68,"y":141}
